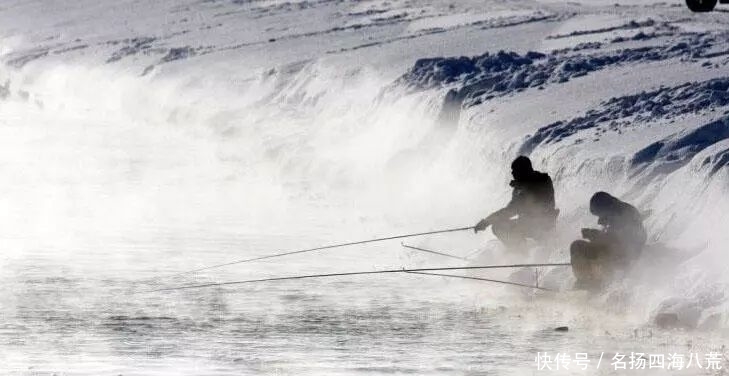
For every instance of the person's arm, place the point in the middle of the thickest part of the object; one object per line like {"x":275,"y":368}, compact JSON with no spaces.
{"x":506,"y":212}
{"x":599,"y":236}
{"x":488,"y":221}
{"x":594,"y":235}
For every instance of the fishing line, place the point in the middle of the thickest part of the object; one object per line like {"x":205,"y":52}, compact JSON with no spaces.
{"x":288,"y":253}
{"x":326,"y":275}
{"x":485,"y":280}
{"x":433,"y":252}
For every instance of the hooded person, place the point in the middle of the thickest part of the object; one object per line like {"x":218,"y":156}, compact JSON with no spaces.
{"x":614,"y":247}
{"x":530,"y":214}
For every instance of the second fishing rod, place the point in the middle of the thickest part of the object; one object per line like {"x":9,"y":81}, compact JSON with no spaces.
{"x":330,"y":246}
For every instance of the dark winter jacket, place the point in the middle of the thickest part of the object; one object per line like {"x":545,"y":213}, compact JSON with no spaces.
{"x":533,"y":197}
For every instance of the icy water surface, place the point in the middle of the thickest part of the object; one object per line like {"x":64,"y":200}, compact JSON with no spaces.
{"x":84,"y":316}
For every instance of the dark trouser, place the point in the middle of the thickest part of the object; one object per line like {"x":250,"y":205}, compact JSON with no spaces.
{"x":593,"y":264}
{"x":515,"y":232}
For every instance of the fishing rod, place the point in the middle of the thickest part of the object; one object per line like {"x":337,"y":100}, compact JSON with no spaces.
{"x":314,"y":249}
{"x":433,"y":252}
{"x":485,"y":280}
{"x":326,"y":275}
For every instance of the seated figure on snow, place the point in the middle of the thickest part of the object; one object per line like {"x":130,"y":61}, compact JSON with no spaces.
{"x":612,"y":248}
{"x":530,"y":214}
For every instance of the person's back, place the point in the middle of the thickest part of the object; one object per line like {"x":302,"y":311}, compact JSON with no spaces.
{"x":624,"y":224}
{"x":532,"y":203}
{"x":533,"y":196}
{"x":612,"y":248}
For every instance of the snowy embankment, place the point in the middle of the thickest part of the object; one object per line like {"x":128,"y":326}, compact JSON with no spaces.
{"x":661,"y":143}
{"x":327,"y":100}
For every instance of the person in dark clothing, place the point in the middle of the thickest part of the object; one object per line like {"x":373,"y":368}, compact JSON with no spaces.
{"x":532,"y":203}
{"x":612,"y":248}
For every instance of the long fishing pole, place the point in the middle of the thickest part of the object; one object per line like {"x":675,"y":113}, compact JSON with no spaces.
{"x":433,"y":252}
{"x":355,"y":273}
{"x":314,"y":249}
{"x":485,"y":280}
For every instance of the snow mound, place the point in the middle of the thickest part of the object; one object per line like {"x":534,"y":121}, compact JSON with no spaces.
{"x":620,"y":113}
{"x":717,"y":161}
{"x":675,"y":151}
{"x":436,"y":72}
{"x":481,"y":78}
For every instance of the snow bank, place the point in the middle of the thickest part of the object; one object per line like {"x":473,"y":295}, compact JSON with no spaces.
{"x":481,"y":78}
{"x":640,"y":109}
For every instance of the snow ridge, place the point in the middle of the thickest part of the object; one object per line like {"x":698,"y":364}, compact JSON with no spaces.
{"x":617,"y":114}
{"x":675,"y":151}
{"x":481,"y":78}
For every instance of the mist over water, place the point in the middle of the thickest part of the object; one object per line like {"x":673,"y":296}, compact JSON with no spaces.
{"x":148,"y":176}
{"x":112,"y":177}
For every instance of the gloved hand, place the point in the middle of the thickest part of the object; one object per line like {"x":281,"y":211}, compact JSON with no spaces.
{"x":482,"y":225}
{"x":591,"y":233}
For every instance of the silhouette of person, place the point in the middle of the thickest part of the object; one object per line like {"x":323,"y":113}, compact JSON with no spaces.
{"x":532,"y":203}
{"x":612,"y":248}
